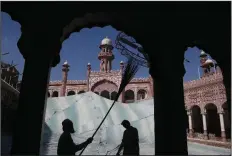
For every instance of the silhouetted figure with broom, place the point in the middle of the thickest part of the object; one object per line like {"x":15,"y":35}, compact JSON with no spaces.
{"x":66,"y":146}
{"x":130,"y":141}
{"x":128,"y":72}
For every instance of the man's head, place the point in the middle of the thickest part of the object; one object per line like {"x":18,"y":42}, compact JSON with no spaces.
{"x":125,"y":124}
{"x":68,"y":126}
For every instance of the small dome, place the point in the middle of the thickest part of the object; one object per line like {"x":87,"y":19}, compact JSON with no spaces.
{"x":66,"y":62}
{"x":208,"y":61}
{"x":121,"y":62}
{"x":89,"y":64}
{"x":106,"y":41}
{"x":203,"y":53}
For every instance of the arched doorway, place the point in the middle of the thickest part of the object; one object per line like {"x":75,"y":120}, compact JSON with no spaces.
{"x":113,"y":95}
{"x":48,"y":94}
{"x":129,"y":96}
{"x":105,"y":94}
{"x":197,"y":122}
{"x":142,"y":94}
{"x":226,"y":121}
{"x":55,"y":94}
{"x":212,"y":120}
{"x":96,"y":93}
{"x":80,"y":92}
{"x":71,"y":93}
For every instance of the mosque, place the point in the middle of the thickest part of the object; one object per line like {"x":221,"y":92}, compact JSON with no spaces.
{"x":205,"y":98}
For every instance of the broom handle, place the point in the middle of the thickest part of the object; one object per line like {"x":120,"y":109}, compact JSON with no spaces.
{"x":99,"y":126}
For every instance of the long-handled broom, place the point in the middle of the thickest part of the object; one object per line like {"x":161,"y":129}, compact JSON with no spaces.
{"x":128,"y":73}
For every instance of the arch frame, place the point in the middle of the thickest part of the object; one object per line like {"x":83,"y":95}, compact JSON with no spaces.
{"x":102,"y":80}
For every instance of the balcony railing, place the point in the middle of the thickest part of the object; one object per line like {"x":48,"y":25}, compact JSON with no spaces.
{"x":9,"y":87}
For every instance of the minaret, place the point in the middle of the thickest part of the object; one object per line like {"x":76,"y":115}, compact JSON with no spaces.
{"x":88,"y":74}
{"x":65,"y":70}
{"x":206,"y":63}
{"x":123,"y":92}
{"x":151,"y":85}
{"x":121,"y":66}
{"x":106,"y":55}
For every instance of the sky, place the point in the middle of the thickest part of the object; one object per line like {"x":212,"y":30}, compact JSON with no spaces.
{"x":80,"y":49}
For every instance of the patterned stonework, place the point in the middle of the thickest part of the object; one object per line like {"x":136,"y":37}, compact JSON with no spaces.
{"x":209,"y":89}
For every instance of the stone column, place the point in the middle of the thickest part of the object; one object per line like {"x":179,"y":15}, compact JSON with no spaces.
{"x":123,"y":92}
{"x":167,"y":71}
{"x":222,"y":124}
{"x":41,"y":52}
{"x":136,"y":94}
{"x":205,"y":125}
{"x":151,"y":86}
{"x":88,"y":75}
{"x":65,"y":71}
{"x":191,"y":133}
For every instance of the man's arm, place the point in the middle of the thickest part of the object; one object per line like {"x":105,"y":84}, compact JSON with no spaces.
{"x":82,"y":145}
{"x":121,"y":145}
{"x":120,"y":148}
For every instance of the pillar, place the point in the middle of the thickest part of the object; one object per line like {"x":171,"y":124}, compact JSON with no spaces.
{"x":191,"y":133}
{"x":65,"y":71}
{"x":205,"y":125}
{"x":151,"y":86}
{"x":222,"y":125}
{"x":167,"y":71}
{"x":88,"y":75}
{"x":136,"y":94}
{"x":123,"y":92}
{"x":40,"y":51}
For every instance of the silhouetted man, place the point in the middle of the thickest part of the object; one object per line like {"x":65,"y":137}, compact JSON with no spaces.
{"x":130,"y":141}
{"x":66,"y":146}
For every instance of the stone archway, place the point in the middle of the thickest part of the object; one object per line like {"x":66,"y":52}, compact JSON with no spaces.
{"x":105,"y":94}
{"x":226,"y":120}
{"x":142,"y":94}
{"x":164,"y":30}
{"x":80,"y":92}
{"x":104,"y":85}
{"x":212,"y":120}
{"x":113,"y":95}
{"x":129,"y":96}
{"x":71,"y":92}
{"x":197,"y":122}
{"x":55,"y":94}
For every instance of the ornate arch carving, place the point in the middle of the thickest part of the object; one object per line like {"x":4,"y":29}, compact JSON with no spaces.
{"x":104,"y":84}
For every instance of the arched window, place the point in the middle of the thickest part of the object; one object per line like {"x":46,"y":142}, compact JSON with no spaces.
{"x":105,"y":94}
{"x":142,"y":94}
{"x":213,"y":121}
{"x":113,"y":95}
{"x":80,"y":92}
{"x":71,"y":93}
{"x":55,"y":94}
{"x":129,"y":96}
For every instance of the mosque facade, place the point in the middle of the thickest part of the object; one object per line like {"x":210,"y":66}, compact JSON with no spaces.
{"x":205,"y":98}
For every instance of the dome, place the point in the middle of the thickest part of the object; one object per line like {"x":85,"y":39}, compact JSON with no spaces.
{"x":203,"y":53}
{"x":106,"y":41}
{"x":66,"y":62}
{"x":89,"y":64}
{"x":208,"y":61}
